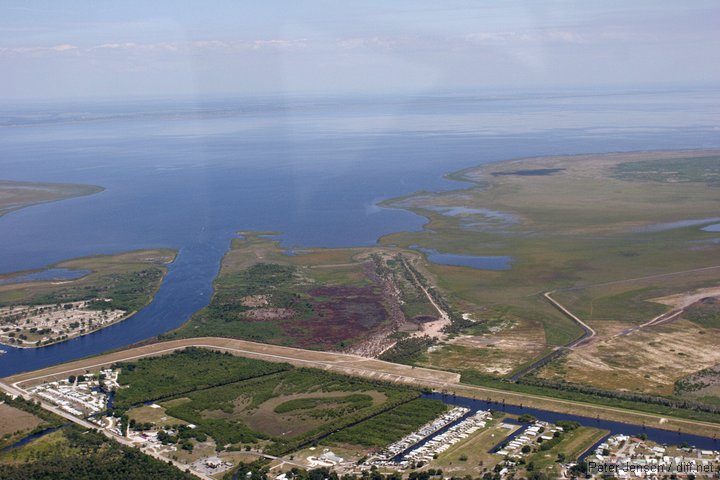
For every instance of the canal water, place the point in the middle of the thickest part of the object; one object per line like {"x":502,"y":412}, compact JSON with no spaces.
{"x":655,"y":434}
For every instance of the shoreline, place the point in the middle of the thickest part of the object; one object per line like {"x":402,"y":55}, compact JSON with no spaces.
{"x":31,"y":345}
{"x":63,"y":191}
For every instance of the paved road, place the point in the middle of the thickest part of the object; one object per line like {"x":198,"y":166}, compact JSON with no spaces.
{"x":588,"y":333}
{"x":14,"y":390}
{"x":369,"y":368}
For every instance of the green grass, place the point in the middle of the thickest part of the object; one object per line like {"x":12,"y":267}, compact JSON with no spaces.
{"x":83,"y":455}
{"x":16,"y":195}
{"x":705,"y":313}
{"x":128,"y":279}
{"x":314,"y":306}
{"x":579,"y":227}
{"x":224,"y":412}
{"x":571,"y":444}
{"x":239,"y":401}
{"x":700,"y":169}
{"x":471,"y":377}
{"x":348,"y":403}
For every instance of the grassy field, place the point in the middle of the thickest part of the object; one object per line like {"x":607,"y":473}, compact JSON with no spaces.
{"x":20,"y":418}
{"x":572,"y":224}
{"x":705,"y":313}
{"x":572,"y":444}
{"x":14,"y":423}
{"x":129,"y":279}
{"x":237,"y":401}
{"x":15,"y":195}
{"x":74,"y":452}
{"x":475,"y":450}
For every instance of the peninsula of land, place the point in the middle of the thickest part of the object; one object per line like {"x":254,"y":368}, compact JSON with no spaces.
{"x":16,"y":195}
{"x":79,"y":296}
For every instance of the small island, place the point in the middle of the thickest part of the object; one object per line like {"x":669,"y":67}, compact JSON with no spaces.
{"x":16,"y":195}
{"x":39,"y":309}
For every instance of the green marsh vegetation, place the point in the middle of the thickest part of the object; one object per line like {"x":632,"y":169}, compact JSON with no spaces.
{"x":129,"y":280}
{"x":580,"y":224}
{"x":238,"y":401}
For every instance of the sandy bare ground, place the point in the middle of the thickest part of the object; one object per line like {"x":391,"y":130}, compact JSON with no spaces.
{"x":341,"y":362}
{"x":431,"y":329}
{"x":684,"y":300}
{"x":508,"y":351}
{"x":679,"y":302}
{"x":358,"y":366}
{"x":647,"y":360}
{"x":254,"y":301}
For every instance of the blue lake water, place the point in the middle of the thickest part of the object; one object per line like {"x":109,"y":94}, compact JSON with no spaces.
{"x":459,"y":211}
{"x":712,"y":228}
{"x":47,"y":274}
{"x":189,"y":173}
{"x":481,"y":262}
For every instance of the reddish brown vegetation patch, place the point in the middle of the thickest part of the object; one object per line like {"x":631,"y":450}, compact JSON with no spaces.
{"x":340,"y":313}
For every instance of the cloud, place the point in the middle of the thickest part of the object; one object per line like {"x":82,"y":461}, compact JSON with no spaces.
{"x":239,"y":45}
{"x":62,"y":48}
{"x":538,"y":36}
{"x":132,"y":46}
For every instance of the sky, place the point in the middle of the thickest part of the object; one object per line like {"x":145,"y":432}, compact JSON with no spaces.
{"x":66,"y":49}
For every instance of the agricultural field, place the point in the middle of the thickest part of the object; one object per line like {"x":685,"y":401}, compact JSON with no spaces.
{"x":618,"y":238}
{"x":19,"y":418}
{"x":15,"y":195}
{"x":14,"y":422}
{"x":206,"y":397}
{"x":391,"y":425}
{"x":350,"y":300}
{"x":110,"y":288}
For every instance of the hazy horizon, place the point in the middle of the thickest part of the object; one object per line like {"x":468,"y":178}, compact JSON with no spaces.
{"x":77,"y":49}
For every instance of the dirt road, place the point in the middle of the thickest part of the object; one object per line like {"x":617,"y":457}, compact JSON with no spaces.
{"x":365,"y":367}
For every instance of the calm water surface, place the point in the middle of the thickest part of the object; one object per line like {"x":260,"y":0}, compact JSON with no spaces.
{"x":481,"y":262}
{"x":654,"y":434}
{"x":188,"y":174}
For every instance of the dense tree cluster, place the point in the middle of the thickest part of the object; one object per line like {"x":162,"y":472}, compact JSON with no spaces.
{"x":631,"y":396}
{"x":407,"y":350}
{"x":90,"y":455}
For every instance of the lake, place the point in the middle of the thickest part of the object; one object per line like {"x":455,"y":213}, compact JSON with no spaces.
{"x":481,"y":262}
{"x":188,"y":173}
{"x":47,"y":274}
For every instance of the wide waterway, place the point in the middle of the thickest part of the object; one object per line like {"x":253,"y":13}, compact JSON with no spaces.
{"x":188,"y":174}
